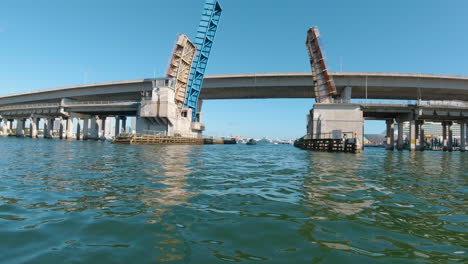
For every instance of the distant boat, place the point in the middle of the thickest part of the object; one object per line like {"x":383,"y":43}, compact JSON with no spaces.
{"x":251,"y":142}
{"x":265,"y":141}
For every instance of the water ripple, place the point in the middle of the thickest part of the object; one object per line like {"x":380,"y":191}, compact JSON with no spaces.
{"x":93,"y":202}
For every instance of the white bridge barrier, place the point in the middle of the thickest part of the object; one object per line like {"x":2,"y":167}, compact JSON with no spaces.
{"x":29,"y":106}
{"x":67,"y":104}
{"x":451,"y":103}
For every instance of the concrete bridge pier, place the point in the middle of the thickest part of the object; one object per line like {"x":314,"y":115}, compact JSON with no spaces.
{"x":117,"y":126}
{"x":33,"y":125}
{"x":69,"y":128}
{"x":124,"y":124}
{"x":400,"y":135}
{"x":20,"y":124}
{"x":85,"y":128}
{"x":5,"y":127}
{"x":62,"y":128}
{"x":422,"y":140}
{"x":466,"y":136}
{"x":462,"y":136}
{"x":10,"y":126}
{"x":444,"y":136}
{"x":450,"y":136}
{"x":94,"y":128}
{"x":47,"y":128}
{"x":412,"y":135}
{"x":103,"y":128}
{"x":78,"y":129}
{"x":416,"y":135}
{"x":390,"y":134}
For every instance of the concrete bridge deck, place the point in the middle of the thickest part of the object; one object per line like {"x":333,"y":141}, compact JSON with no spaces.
{"x":400,"y":86}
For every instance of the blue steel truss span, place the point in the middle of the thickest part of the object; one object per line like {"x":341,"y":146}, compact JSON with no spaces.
{"x":204,"y":41}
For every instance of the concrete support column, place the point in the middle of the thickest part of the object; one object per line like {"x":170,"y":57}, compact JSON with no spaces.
{"x":20,"y":123}
{"x":462,"y":137}
{"x":78,"y":129}
{"x":390,"y":135}
{"x":5,"y":127}
{"x":62,"y":128}
{"x":450,"y":137}
{"x":400,"y":136}
{"x":416,"y":135}
{"x":117,"y":126}
{"x":413,"y":135}
{"x":124,"y":123}
{"x":102,"y":129}
{"x":10,"y":126}
{"x":422,"y":140}
{"x":33,"y":124}
{"x":47,"y":128}
{"x":466,"y":135}
{"x":444,"y":135}
{"x":69,"y":131}
{"x":95,"y":127}
{"x":38,"y":122}
{"x":51,"y":122}
{"x":85,"y":128}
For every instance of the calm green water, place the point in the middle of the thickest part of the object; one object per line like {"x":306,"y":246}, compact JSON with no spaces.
{"x":93,"y":202}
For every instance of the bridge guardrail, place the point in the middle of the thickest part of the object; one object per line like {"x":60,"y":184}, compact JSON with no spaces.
{"x":29,"y":106}
{"x":446,"y":103}
{"x":56,"y":105}
{"x":385,"y":102}
{"x":99,"y":103}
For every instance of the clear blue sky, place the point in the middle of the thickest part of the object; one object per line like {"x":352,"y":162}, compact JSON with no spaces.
{"x":52,"y":43}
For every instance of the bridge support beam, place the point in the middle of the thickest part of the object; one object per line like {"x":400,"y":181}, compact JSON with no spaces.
{"x":400,"y":136}
{"x":33,"y":125}
{"x":462,"y":136}
{"x":422,"y":140}
{"x":20,"y":124}
{"x":412,"y":135}
{"x":390,"y":135}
